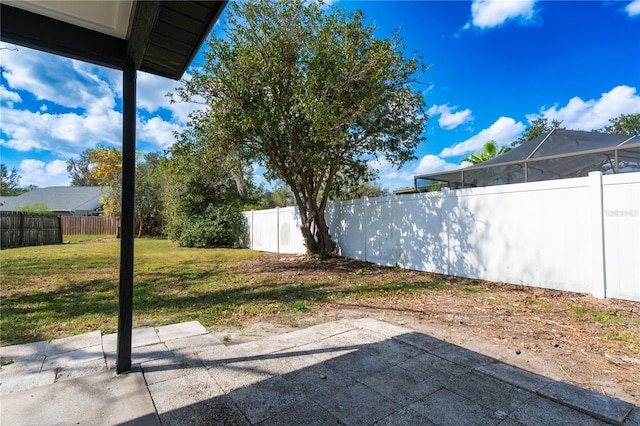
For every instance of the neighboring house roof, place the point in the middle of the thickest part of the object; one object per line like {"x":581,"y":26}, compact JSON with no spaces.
{"x":58,"y":198}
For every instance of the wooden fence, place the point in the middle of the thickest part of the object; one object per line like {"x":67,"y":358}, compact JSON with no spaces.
{"x":20,"y":229}
{"x":89,"y":225}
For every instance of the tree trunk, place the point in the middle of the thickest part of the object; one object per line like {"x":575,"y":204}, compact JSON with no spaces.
{"x":326,"y":245}
{"x":316,"y":234}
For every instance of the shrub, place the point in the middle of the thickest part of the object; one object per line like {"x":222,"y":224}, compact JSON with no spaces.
{"x":217,"y":226}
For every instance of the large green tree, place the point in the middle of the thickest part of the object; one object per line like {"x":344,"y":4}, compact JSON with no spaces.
{"x":311,"y":94}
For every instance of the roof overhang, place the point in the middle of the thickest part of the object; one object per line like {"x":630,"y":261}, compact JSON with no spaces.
{"x":158,"y":37}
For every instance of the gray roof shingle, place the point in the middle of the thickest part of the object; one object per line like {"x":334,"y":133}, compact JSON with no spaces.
{"x":58,"y":198}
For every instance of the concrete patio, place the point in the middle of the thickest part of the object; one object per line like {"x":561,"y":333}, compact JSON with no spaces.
{"x":352,"y":372}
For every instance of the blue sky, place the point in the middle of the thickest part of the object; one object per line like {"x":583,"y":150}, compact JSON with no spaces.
{"x":494,"y":67}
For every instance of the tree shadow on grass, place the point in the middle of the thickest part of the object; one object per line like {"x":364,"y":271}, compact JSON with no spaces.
{"x":177,"y":295}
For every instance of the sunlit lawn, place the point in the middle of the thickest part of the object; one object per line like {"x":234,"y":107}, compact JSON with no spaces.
{"x":62,"y":290}
{"x":52,"y":291}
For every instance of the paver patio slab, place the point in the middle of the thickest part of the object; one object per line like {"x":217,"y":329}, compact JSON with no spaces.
{"x":181,"y":330}
{"x":380,"y":327}
{"x":405,"y":417}
{"x":77,"y":356}
{"x":160,"y":370}
{"x":401,"y":385}
{"x":67,"y":344}
{"x":22,"y":365}
{"x":633,"y":419}
{"x":459,"y":355}
{"x":348,"y":372}
{"x":237,"y":375}
{"x":25,"y":380}
{"x":306,"y":412}
{"x":429,"y":365}
{"x":87,"y":400}
{"x":356,"y":405}
{"x":597,"y":405}
{"x":488,"y":392}
{"x":515,"y":376}
{"x":88,"y":368}
{"x":25,"y":351}
{"x":265,"y":399}
{"x":421,"y":341}
{"x":448,"y":409}
{"x":193,"y":346}
{"x":541,"y":411}
{"x":139,"y":337}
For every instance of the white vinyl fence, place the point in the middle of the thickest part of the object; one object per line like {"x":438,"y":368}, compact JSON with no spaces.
{"x":580,"y":235}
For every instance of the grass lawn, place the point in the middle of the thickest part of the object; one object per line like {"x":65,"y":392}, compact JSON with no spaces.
{"x":62,"y":290}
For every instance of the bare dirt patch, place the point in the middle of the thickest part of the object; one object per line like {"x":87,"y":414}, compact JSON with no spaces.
{"x":576,"y":338}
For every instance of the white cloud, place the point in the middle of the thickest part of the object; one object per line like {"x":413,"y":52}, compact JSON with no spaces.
{"x":36,"y":172}
{"x":633,"y":8}
{"x":64,"y":134}
{"x":63,"y":81}
{"x":158,"y":132}
{"x":492,"y":13}
{"x":503,"y":132}
{"x":448,"y":119}
{"x":389,"y":176}
{"x":593,"y":114}
{"x":91,"y":95}
{"x":152,"y":96}
{"x":9,"y":97}
{"x":433,"y":163}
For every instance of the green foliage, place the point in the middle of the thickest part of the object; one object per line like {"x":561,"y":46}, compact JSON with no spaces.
{"x":489,"y":150}
{"x":280,"y":196}
{"x":472,"y":288}
{"x":10,"y":182}
{"x":625,"y":124}
{"x":310,"y":94}
{"x":102,"y":166}
{"x":538,"y":127}
{"x":299,"y":305}
{"x":34,"y":208}
{"x":80,"y":170}
{"x":217,"y":226}
{"x":148,"y":195}
{"x":365,"y":189}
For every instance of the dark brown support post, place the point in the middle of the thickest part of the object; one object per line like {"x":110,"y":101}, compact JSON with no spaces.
{"x":125,"y":315}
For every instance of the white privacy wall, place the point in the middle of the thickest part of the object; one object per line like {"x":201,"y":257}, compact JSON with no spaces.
{"x":531,"y":234}
{"x":621,"y":216}
{"x":580,"y":235}
{"x":275,"y":230}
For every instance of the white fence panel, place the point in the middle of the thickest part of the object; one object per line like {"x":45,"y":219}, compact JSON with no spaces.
{"x":289,"y":236}
{"x":274,"y":230}
{"x":580,"y":235}
{"x":621,"y":199}
{"x":533,"y":234}
{"x":264,"y":233}
{"x":348,"y":227}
